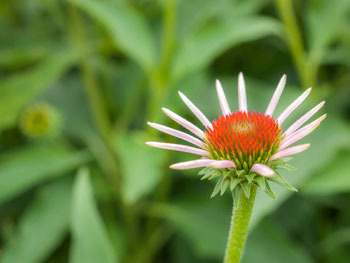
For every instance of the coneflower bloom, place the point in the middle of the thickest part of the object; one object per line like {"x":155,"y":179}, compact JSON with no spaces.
{"x":242,"y":147}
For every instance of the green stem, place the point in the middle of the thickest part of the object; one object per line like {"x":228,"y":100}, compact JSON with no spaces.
{"x":100,"y":115}
{"x":241,"y":215}
{"x":295,"y":42}
{"x":159,"y":78}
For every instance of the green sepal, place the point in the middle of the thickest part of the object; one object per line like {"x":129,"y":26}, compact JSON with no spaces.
{"x":286,"y":167}
{"x":260,"y":181}
{"x":250,"y":177}
{"x":224,"y":186}
{"x":214,"y":175}
{"x":204,"y":171}
{"x":227,"y":173}
{"x":279,"y":179}
{"x":236,"y":195}
{"x":269,"y":191}
{"x":234,"y":183}
{"x":217,"y":187}
{"x":209,"y":173}
{"x":246,"y":188}
{"x":282,"y":164}
{"x":240,"y":172}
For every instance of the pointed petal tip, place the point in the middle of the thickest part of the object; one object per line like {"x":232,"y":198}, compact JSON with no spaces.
{"x":242,"y":97}
{"x":263,"y":170}
{"x":322,"y":117}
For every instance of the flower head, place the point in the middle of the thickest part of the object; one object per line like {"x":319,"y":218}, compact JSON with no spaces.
{"x":241,"y":148}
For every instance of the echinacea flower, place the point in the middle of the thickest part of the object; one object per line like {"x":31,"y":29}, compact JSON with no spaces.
{"x":242,"y":148}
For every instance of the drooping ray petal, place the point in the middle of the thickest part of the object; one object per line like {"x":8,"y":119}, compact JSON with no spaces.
{"x":301,"y":133}
{"x":191,"y":164}
{"x":178,"y":147}
{"x":293,"y":106}
{"x":290,"y":151}
{"x":303,"y":119}
{"x":184,"y":123}
{"x":222,"y":164}
{"x":242,"y":97}
{"x":262,"y":169}
{"x":178,"y":134}
{"x":196,"y":111}
{"x":276,"y":96}
{"x":222,"y":99}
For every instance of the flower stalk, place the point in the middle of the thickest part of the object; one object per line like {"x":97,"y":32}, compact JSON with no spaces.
{"x":241,"y":215}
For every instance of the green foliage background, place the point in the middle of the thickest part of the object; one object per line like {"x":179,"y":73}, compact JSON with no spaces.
{"x":92,"y":191}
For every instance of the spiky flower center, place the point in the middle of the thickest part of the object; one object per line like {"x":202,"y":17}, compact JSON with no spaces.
{"x":244,"y":138}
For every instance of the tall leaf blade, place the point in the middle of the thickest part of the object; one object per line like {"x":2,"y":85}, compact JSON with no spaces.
{"x":90,"y":241}
{"x":43,"y":225}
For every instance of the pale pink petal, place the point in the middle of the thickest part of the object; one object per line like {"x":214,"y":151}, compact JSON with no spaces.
{"x":242,"y":97}
{"x":222,"y":99}
{"x":196,"y":111}
{"x":184,"y":123}
{"x":191,"y":164}
{"x":262,"y":169}
{"x":178,"y":134}
{"x":290,"y":151}
{"x":178,"y":147}
{"x":293,"y":106}
{"x":276,"y":96}
{"x":303,"y":119}
{"x":301,"y":133}
{"x":222,"y":164}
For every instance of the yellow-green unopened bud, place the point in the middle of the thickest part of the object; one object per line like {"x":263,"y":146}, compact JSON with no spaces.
{"x":39,"y":120}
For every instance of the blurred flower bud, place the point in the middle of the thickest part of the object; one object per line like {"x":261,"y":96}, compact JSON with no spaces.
{"x":39,"y":120}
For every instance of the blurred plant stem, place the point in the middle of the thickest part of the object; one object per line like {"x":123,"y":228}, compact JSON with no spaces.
{"x":241,"y":215}
{"x":103,"y":124}
{"x":159,"y":81}
{"x":307,"y":73}
{"x":159,"y":78}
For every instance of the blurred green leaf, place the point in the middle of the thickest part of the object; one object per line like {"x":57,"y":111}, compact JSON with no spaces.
{"x":43,"y":225}
{"x":19,"y":89}
{"x":201,"y":48}
{"x":190,"y":17}
{"x":22,"y":169}
{"x":127,"y":28}
{"x":90,"y":241}
{"x":204,"y":222}
{"x":325,"y":20}
{"x":141,"y":166}
{"x":334,"y":179}
{"x":268,"y":244}
{"x":19,"y":56}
